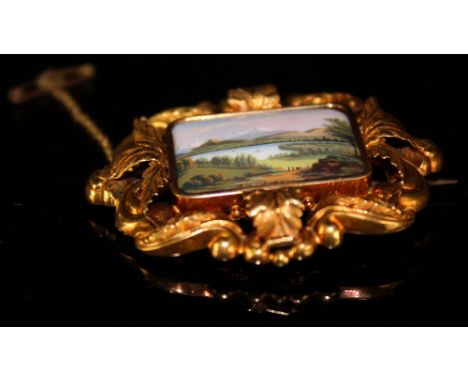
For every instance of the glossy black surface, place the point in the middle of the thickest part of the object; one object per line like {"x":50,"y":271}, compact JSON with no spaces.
{"x":62,"y":262}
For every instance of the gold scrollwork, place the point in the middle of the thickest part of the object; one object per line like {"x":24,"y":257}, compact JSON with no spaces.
{"x":287,"y":224}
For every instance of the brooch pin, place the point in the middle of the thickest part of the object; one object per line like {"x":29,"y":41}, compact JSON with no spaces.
{"x":254,"y":175}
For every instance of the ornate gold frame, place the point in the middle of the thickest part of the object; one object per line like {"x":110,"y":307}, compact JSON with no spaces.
{"x":289,"y":223}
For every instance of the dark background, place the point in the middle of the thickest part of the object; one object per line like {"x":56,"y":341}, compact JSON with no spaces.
{"x":63,"y":263}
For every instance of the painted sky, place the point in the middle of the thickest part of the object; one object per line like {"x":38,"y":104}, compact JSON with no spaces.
{"x":188,"y":135}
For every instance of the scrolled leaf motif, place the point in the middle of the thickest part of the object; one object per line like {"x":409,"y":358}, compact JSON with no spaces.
{"x":149,"y":147}
{"x":275,"y":214}
{"x":154,"y":178}
{"x":257,"y":98}
{"x":377,"y":125}
{"x":356,"y":215}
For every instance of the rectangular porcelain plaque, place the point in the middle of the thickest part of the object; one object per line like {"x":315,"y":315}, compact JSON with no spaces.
{"x":292,"y":146}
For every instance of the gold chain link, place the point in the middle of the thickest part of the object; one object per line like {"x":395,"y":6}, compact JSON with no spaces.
{"x":54,"y":82}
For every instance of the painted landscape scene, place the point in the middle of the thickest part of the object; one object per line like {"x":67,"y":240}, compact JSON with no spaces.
{"x":263,"y":149}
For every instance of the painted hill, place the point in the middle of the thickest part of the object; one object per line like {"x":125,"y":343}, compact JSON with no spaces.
{"x":256,"y":134}
{"x":287,"y":135}
{"x":277,"y":137}
{"x":210,"y":142}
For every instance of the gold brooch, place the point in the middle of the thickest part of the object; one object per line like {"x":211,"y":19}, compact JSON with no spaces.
{"x":258,"y":177}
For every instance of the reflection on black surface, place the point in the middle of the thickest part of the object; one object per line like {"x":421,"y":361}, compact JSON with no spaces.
{"x":282,"y":304}
{"x":331,"y":277}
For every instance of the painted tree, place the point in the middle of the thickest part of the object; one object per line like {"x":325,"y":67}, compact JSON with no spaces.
{"x":180,"y":166}
{"x":227,"y":161}
{"x":342,"y":130}
{"x":251,"y":161}
{"x":216,"y":161}
{"x":202,"y":162}
{"x":238,"y":161}
{"x":187,"y":163}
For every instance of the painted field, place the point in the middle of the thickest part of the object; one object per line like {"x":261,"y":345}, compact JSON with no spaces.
{"x":298,"y":161}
